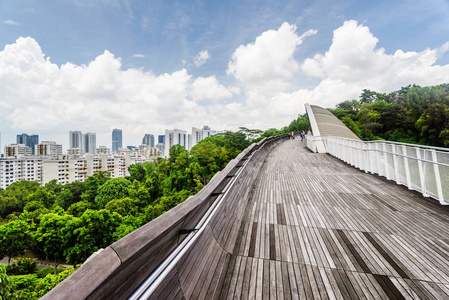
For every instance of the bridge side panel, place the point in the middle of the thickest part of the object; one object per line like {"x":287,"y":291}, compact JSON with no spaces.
{"x":203,"y":269}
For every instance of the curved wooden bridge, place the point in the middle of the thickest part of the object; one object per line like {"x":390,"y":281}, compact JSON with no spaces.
{"x":280,"y":222}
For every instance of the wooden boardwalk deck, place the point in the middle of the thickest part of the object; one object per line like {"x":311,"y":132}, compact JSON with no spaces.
{"x":316,"y":228}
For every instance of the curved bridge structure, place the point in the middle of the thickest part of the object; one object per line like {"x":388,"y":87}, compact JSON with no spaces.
{"x":280,"y":222}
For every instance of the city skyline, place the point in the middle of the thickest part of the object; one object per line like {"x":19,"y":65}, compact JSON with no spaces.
{"x":98,"y":65}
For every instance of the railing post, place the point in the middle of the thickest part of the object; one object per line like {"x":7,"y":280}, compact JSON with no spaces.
{"x":422,"y":173}
{"x":438,"y":178}
{"x":387,"y":171}
{"x":379,"y":166}
{"x":395,"y":162}
{"x":407,"y":169}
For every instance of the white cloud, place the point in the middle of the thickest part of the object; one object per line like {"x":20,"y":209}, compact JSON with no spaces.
{"x":96,"y":97}
{"x":209,"y":89}
{"x":10,"y":22}
{"x":269,"y":61}
{"x":353,"y":62}
{"x":201,"y":58}
{"x":138,"y":55}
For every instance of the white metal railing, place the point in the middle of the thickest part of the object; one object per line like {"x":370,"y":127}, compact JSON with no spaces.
{"x":315,"y":143}
{"x":421,"y":168}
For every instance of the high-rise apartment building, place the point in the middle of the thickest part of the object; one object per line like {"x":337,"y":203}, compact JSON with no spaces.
{"x":89,"y":142}
{"x":76,"y":139}
{"x":200,"y":134}
{"x":28,"y":140}
{"x":148,"y":139}
{"x":116,"y":139}
{"x":176,"y":137}
{"x":161,"y":139}
{"x":17,"y":169}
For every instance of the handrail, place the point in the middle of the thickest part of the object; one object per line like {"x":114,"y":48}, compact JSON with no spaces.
{"x":421,"y":168}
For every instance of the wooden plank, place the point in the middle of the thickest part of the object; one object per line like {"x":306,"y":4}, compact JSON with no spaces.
{"x":354,"y":253}
{"x":388,"y":287}
{"x":272,"y":276}
{"x":252,"y":246}
{"x":259,"y":286}
{"x":251,"y":288}
{"x":272,"y":243}
{"x":247,"y":277}
{"x":266,"y":279}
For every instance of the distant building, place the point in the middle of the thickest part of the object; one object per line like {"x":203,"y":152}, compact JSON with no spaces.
{"x":89,"y":142}
{"x":176,"y":137}
{"x":116,"y":139}
{"x":18,"y":169}
{"x":15,"y":150}
{"x":48,"y":148}
{"x":132,"y":148}
{"x":74,"y":152}
{"x":160,"y":147}
{"x":28,"y":140}
{"x":161,"y":139}
{"x":148,"y":152}
{"x":200,"y":134}
{"x":102,"y":150}
{"x":148,"y":139}
{"x":76,"y":139}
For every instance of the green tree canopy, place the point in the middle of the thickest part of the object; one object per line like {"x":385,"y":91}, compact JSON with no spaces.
{"x":15,"y":237}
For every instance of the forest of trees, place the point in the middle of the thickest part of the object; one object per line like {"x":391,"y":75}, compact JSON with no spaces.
{"x":67,"y":223}
{"x":414,"y":114}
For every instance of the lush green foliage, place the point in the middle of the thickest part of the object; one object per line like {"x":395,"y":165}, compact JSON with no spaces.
{"x":413,"y":114}
{"x":22,"y":266}
{"x":299,"y":124}
{"x":67,"y":223}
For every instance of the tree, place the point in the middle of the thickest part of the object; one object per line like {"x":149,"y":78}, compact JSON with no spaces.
{"x":116,"y":188}
{"x":137,"y":172}
{"x":50,"y":236}
{"x":9,"y":205}
{"x":78,"y":208}
{"x":92,"y":184}
{"x":251,"y":134}
{"x":368,"y":96}
{"x":41,"y":195}
{"x":123,"y":207}
{"x":70,"y":194}
{"x":209,"y":160}
{"x":23,"y":266}
{"x":15,"y":237}
{"x":88,"y":233}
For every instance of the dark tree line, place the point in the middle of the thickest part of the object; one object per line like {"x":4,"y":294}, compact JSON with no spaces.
{"x":413,"y":114}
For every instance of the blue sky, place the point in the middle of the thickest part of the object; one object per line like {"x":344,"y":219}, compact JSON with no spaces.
{"x":178,"y":64}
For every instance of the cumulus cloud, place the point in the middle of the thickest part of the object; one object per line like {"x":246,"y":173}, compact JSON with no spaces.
{"x":10,"y":22}
{"x":269,"y":61}
{"x":209,"y":89}
{"x":38,"y":94}
{"x":201,"y":58}
{"x":354,"y":62}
